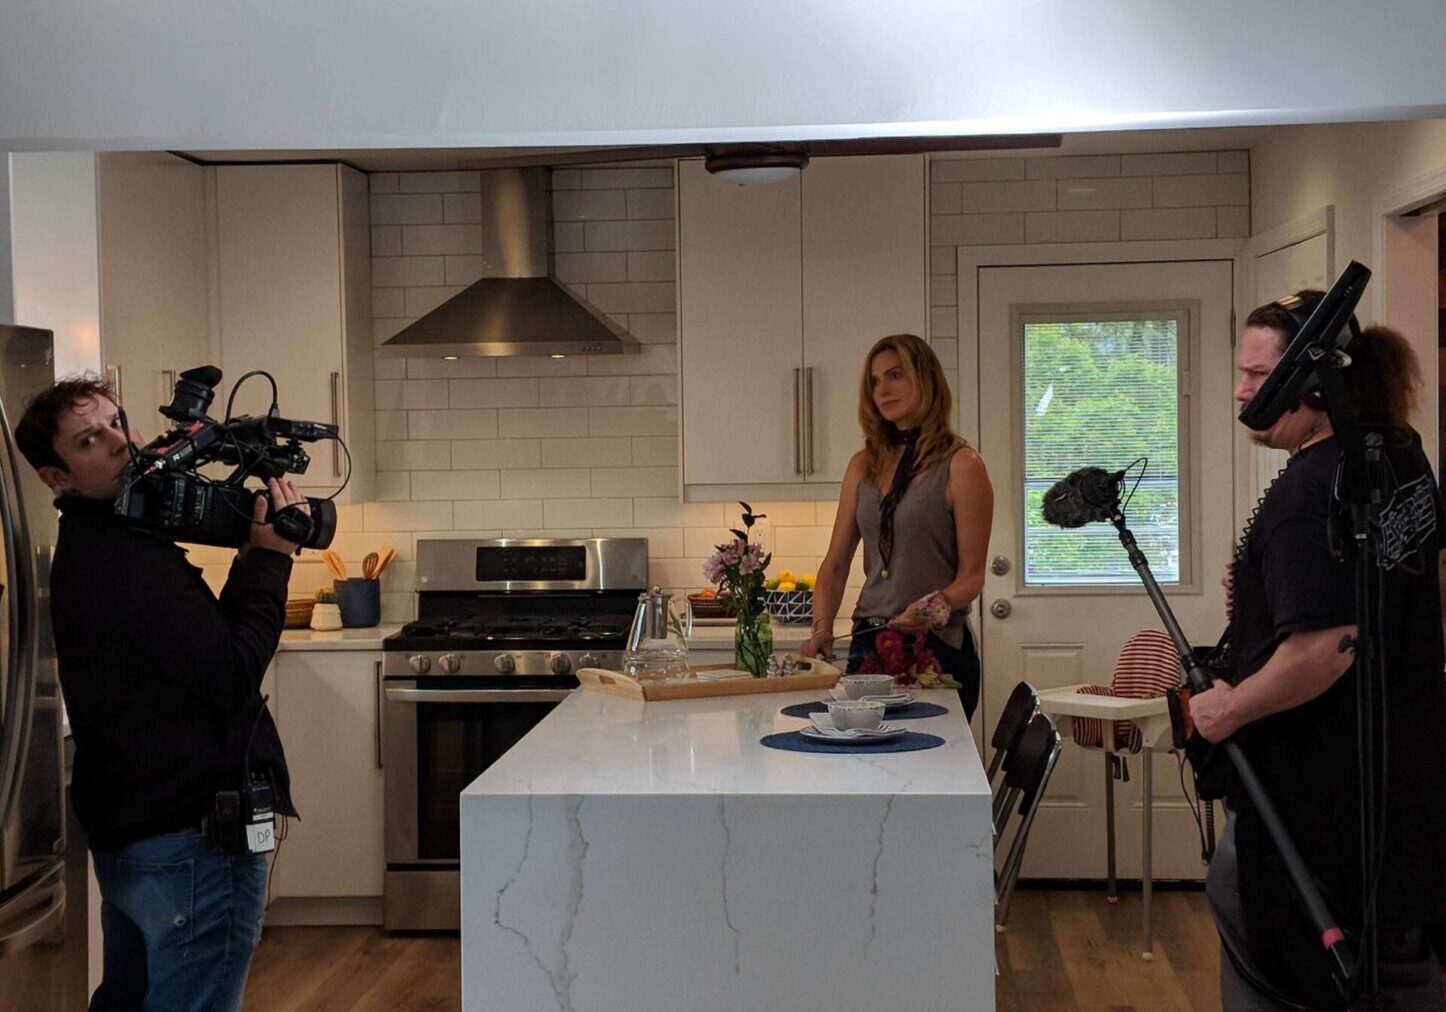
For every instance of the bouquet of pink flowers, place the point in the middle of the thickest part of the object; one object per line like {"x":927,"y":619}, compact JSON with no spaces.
{"x":910,"y":663}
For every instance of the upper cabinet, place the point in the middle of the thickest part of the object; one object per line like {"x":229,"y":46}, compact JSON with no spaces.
{"x":782,"y":289}
{"x":293,"y":294}
{"x":154,"y":307}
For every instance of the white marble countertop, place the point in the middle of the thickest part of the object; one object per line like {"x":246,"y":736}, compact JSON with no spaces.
{"x":369,"y":638}
{"x":597,"y":744}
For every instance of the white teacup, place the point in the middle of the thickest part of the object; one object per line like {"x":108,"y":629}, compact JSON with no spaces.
{"x":851,"y":713}
{"x":858,"y":686}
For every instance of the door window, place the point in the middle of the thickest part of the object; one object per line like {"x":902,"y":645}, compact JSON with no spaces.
{"x":1102,"y":389}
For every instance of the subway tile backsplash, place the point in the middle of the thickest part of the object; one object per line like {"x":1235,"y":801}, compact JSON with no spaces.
{"x":588,"y":445}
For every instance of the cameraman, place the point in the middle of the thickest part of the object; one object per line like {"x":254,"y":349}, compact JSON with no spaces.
{"x":1290,"y":697}
{"x":162,"y":685}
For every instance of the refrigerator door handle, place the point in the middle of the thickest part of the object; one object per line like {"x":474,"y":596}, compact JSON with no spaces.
{"x":48,"y":895}
{"x":20,"y":600}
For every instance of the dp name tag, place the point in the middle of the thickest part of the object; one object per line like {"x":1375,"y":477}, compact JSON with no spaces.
{"x":261,"y":836}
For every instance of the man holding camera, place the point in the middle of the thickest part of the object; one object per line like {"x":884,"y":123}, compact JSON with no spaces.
{"x":1289,"y":699}
{"x":178,"y":767}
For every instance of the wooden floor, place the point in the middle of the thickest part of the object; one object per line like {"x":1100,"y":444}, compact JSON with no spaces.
{"x":1063,"y":951}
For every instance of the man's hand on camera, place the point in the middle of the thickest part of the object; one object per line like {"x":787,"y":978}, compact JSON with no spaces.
{"x":279,"y":494}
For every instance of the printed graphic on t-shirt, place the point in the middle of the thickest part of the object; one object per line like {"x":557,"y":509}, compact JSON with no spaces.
{"x":1406,"y":522}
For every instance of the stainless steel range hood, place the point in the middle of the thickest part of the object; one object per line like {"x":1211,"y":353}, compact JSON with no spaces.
{"x":517,"y":308}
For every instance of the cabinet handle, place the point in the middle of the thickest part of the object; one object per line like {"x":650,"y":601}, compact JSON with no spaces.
{"x":168,"y":384}
{"x":797,"y":421}
{"x":377,"y":704}
{"x":336,"y":420}
{"x":808,"y":417}
{"x":113,"y":373}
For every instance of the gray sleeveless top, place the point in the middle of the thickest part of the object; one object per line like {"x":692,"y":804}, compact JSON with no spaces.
{"x":926,"y":552}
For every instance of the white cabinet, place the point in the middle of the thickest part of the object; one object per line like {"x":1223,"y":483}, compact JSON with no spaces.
{"x":155,"y":305}
{"x":293,"y":283}
{"x":782,"y":289}
{"x":327,"y":708}
{"x":740,"y":323}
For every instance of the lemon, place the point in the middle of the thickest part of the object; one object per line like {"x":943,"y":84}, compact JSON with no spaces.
{"x":806,"y":581}
{"x":785,"y":576}
{"x":771,"y":583}
{"x":787,"y":586}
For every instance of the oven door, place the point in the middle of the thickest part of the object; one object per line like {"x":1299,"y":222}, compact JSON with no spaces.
{"x":438,"y":735}
{"x":437,"y":739}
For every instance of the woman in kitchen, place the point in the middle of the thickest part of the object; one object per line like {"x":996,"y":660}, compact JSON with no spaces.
{"x":919,"y":499}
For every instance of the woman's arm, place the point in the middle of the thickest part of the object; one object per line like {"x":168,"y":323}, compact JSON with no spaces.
{"x":833,"y":573}
{"x":971,"y":498}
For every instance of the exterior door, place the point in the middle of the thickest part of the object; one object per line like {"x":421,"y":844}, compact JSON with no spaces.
{"x":1099,"y":364}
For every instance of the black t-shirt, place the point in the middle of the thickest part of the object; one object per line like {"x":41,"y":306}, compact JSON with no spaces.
{"x":1288,"y":581}
{"x":161,"y":679}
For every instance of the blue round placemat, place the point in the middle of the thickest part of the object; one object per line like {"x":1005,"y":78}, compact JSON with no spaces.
{"x":914,"y":711}
{"x":792,"y":741}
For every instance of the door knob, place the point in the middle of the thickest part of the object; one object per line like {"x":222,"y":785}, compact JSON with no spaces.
{"x":999,"y":566}
{"x":1000,"y":609}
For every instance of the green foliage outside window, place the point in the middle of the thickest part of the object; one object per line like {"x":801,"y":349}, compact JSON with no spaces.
{"x":1101,"y":392}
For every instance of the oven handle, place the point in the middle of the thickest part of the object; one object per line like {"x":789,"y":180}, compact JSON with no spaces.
{"x":478,"y":695}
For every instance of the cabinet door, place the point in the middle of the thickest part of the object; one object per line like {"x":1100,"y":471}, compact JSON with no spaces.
{"x":740,"y":327}
{"x":327,"y":718}
{"x":154,"y":309}
{"x":280,"y":279}
{"x":864,"y":277}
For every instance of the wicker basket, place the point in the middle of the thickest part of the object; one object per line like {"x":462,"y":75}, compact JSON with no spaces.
{"x":298,"y":612}
{"x":711,"y":607}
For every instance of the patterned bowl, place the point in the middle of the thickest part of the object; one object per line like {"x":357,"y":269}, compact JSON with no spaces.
{"x":790,"y":607}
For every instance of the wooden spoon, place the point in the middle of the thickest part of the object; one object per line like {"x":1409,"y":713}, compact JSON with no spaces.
{"x":388,"y":554}
{"x":369,"y":566}
{"x":334,"y":563}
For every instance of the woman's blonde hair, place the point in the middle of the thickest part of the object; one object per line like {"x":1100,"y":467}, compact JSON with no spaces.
{"x":936,"y":440}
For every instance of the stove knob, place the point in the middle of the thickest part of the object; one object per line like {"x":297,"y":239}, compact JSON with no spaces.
{"x":450,"y":663}
{"x":505,"y":664}
{"x":420,"y":663}
{"x":560,"y":664}
{"x":587,"y":661}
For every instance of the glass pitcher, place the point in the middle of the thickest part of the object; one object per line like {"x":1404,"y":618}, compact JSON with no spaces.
{"x":657,"y":644}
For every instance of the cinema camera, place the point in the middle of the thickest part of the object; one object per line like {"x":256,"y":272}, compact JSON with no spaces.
{"x":163,"y":491}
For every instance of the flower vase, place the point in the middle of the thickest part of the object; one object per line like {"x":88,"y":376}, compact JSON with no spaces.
{"x":753,"y":644}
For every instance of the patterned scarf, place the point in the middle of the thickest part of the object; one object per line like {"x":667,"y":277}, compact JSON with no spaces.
{"x":903,"y":475}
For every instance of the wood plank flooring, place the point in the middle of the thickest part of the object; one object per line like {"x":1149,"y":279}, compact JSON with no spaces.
{"x":1063,"y":952}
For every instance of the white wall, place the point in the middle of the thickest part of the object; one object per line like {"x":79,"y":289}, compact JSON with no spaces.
{"x":54,"y":244}
{"x":338,"y":73}
{"x":7,"y":282}
{"x":1355,"y":167}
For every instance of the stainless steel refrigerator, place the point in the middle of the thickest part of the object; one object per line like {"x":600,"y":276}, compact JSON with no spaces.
{"x":40,"y":967}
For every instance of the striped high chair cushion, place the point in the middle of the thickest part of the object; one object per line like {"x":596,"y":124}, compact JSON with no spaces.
{"x":1148,"y":667}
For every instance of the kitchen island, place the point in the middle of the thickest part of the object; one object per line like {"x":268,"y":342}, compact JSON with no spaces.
{"x":632,"y":857}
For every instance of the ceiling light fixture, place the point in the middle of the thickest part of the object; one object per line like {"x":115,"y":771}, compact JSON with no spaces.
{"x":755,"y":166}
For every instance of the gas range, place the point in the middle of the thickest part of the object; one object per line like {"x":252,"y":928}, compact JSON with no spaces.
{"x":501,"y":627}
{"x":533,"y":608}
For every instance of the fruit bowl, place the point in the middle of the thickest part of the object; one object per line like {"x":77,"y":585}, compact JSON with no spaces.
{"x":790,"y":607}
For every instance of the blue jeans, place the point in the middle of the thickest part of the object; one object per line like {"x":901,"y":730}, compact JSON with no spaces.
{"x":180,"y":922}
{"x":959,"y":663}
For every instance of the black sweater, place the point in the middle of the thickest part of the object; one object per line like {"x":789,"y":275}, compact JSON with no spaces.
{"x":162,"y":681}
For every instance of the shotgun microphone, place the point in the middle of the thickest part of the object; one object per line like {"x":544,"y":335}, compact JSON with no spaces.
{"x":1081,"y":497}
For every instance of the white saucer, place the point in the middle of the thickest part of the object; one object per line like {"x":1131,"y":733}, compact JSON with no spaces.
{"x":854,"y":736}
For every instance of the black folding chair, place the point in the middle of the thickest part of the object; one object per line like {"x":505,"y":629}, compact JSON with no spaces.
{"x":1022,"y":704}
{"x":1026,"y":774}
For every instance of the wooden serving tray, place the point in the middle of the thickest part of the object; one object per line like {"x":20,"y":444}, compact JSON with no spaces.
{"x":821,"y":675}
